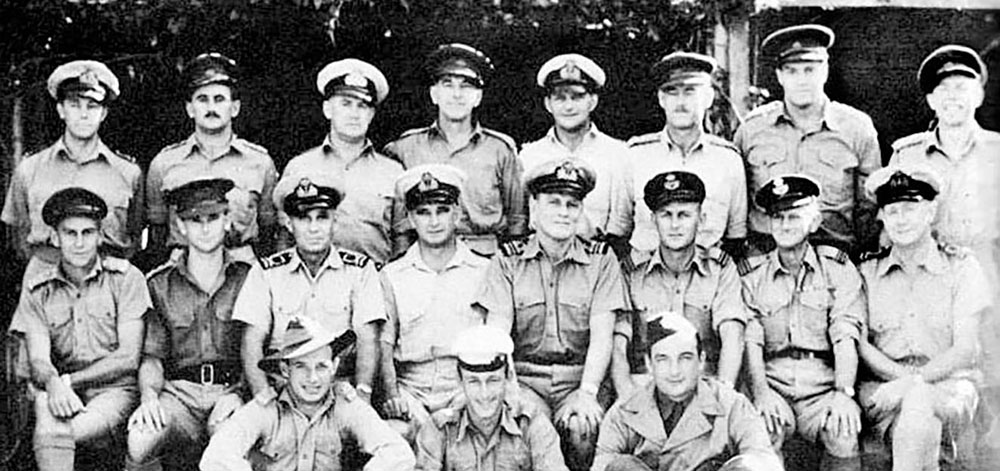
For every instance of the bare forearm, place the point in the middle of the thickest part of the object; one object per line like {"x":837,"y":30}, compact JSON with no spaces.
{"x":755,"y":364}
{"x":388,"y":371}
{"x":955,"y":359}
{"x":150,"y":378}
{"x":595,"y":366}
{"x":42,"y":371}
{"x":883,"y":366}
{"x":252,"y":352}
{"x":367,"y":357}
{"x":114,"y":366}
{"x":731,"y":352}
{"x":845,"y":355}
{"x":620,"y":373}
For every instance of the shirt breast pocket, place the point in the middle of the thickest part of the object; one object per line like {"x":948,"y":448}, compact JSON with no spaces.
{"x":103,"y":321}
{"x":279,"y":449}
{"x":516,"y":459}
{"x":774,"y":319}
{"x":574,"y":317}
{"x":835,"y":167}
{"x":529,"y":314}
{"x":817,"y":303}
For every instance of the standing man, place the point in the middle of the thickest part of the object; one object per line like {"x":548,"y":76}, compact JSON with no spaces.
{"x":681,"y":420}
{"x":190,"y":378}
{"x":559,"y":295}
{"x":213,"y":150}
{"x":487,"y":433}
{"x":81,"y":318}
{"x":336,"y":287}
{"x":370,"y":220}
{"x":925,"y":303}
{"x":83,"y":91}
{"x":685,"y":93}
{"x":495,"y":199}
{"x":808,"y":314}
{"x":808,"y":133}
{"x":572,"y":86}
{"x":428,"y":299}
{"x":679,"y":276}
{"x":304,"y":428}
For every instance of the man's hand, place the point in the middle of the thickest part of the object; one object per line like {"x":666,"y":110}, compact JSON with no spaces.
{"x":843,"y":417}
{"x":149,"y":416}
{"x":770,"y":405}
{"x":396,"y":408}
{"x":582,"y":406}
{"x":889,"y":395}
{"x":63,"y":401}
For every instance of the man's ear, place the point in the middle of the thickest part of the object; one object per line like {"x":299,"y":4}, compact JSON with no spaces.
{"x":328,"y":108}
{"x":189,"y":108}
{"x":283,"y":367}
{"x":237,"y":105}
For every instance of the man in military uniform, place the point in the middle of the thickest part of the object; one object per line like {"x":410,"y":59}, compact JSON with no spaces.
{"x":487,"y":433}
{"x":808,"y":311}
{"x":304,"y":428}
{"x":213,"y":150}
{"x":190,"y":378}
{"x":370,"y":220}
{"x":679,"y":276}
{"x":685,"y":93}
{"x":494,"y":196}
{"x":428,"y":297}
{"x":559,"y":294}
{"x":925,"y":305}
{"x":572,"y":84}
{"x":338,"y":288}
{"x":681,"y":420}
{"x":83,"y":91}
{"x":81,"y":319}
{"x":810,"y":134}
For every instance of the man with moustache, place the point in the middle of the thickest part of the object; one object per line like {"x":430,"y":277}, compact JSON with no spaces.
{"x":212,"y":102}
{"x":495,"y":206}
{"x":370,"y":219}
{"x":685,"y":93}
{"x":808,"y":133}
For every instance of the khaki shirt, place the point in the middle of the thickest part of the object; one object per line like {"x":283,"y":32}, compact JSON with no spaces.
{"x":718,"y":423}
{"x":707,"y":293}
{"x":344,"y":294}
{"x":712,"y":159}
{"x":522,"y":442}
{"x":607,"y":208}
{"x":248,"y":165}
{"x":493,"y":193}
{"x":839,"y":156}
{"x":917,"y":310}
{"x":188,"y":326}
{"x":82,"y":322}
{"x":285,"y":439}
{"x":112,"y":176}
{"x":549,"y":304}
{"x":370,"y":216}
{"x":812,"y":310}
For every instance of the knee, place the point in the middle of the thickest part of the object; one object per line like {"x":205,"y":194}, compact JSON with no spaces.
{"x":404,"y":428}
{"x":840,"y":445}
{"x":142,"y":444}
{"x":918,"y":400}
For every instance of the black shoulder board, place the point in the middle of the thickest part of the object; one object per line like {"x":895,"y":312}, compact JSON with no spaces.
{"x":350,"y":257}
{"x":480,"y":254}
{"x":875,"y":254}
{"x":276,"y":260}
{"x":719,"y":255}
{"x":513,"y":247}
{"x":953,"y":251}
{"x":833,"y":253}
{"x":595,"y":247}
{"x":749,"y":264}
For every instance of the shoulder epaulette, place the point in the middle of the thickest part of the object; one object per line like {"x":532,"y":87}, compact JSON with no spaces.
{"x":762,"y":110}
{"x":719,"y":255}
{"x":350,"y":257}
{"x":343,"y":391}
{"x":115,"y":264}
{"x":445,"y":416}
{"x":720,"y":142}
{"x":909,"y":141}
{"x":513,"y":247}
{"x":276,"y":260}
{"x":954,"y":251}
{"x":160,"y":269}
{"x":875,"y":254}
{"x":503,"y":137}
{"x":173,"y":146}
{"x":643,"y":139}
{"x":480,"y":254}
{"x":746,"y":265}
{"x":124,"y":156}
{"x":413,"y":132}
{"x":595,"y":247}
{"x":254,"y":147}
{"x":833,"y":253}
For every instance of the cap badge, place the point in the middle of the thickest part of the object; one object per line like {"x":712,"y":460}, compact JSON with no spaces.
{"x":780,"y":187}
{"x":306,"y":189}
{"x":428,"y":182}
{"x":797,"y":45}
{"x":89,"y":78}
{"x":671,"y":183}
{"x":355,"y":79}
{"x":899,"y":180}
{"x":567,"y":171}
{"x":569,"y":71}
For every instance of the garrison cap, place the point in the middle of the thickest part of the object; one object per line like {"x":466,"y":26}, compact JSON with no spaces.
{"x":304,"y":336}
{"x":666,"y":324}
{"x":567,"y":176}
{"x":482,"y":348}
{"x":210,"y":68}
{"x":459,"y":60}
{"x":89,"y":79}
{"x":572,"y":69}
{"x":73,"y":202}
{"x":354,"y":78}
{"x":786,"y":192}
{"x":430,"y":184}
{"x":673,"y":187}
{"x":300,"y":192}
{"x":684,"y":68}
{"x":952,"y":59}
{"x":800,"y":43}
{"x":200,"y":197}
{"x":896,"y":183}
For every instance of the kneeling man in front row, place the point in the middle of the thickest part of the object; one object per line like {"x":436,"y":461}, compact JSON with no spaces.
{"x":680,"y":420}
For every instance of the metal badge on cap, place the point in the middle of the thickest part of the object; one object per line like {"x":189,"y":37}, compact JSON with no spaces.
{"x":671,"y":183}
{"x":355,"y":79}
{"x":570,"y":71}
{"x":306,"y":189}
{"x":567,"y":171}
{"x":780,"y":187}
{"x":428,"y":182}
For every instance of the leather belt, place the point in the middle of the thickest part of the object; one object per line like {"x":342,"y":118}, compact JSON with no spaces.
{"x":801,"y":354}
{"x":218,"y":372}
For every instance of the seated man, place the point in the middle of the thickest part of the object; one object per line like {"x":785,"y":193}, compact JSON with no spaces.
{"x":925,"y":304}
{"x":190,"y":378}
{"x":681,"y":420}
{"x":428,"y":297}
{"x":305,"y":426}
{"x":808,"y":311}
{"x":82,"y":323}
{"x":487,"y":433}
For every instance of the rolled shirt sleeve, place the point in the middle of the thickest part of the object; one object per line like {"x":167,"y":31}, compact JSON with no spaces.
{"x":497,"y":294}
{"x":367,"y":300}
{"x":727,"y":305}
{"x":849,"y":310}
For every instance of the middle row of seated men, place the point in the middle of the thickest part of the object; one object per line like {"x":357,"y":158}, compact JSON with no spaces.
{"x":572,"y":315}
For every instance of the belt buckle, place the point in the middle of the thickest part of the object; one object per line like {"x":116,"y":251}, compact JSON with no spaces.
{"x":207,"y":373}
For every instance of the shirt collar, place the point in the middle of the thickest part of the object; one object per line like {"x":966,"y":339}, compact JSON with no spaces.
{"x":592,"y":134}
{"x":507,"y":422}
{"x":182,"y":268}
{"x":192,"y":144}
{"x":330,"y":149}
{"x":576,"y":252}
{"x":101,"y":151}
{"x":704,"y":400}
{"x":463,"y":256}
{"x":477,"y":131}
{"x":809,"y":262}
{"x":933,"y":142}
{"x":699,"y":261}
{"x":332,"y":261}
{"x":285,"y":399}
{"x":665,"y":136}
{"x":830,"y":121}
{"x":931,"y":260}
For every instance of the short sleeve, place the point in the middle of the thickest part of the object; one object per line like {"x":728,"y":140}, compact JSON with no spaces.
{"x":253,"y":304}
{"x":727,"y":305}
{"x":133,"y":300}
{"x":849,"y":311}
{"x":156,"y":206}
{"x":367,"y":300}
{"x":496,"y":294}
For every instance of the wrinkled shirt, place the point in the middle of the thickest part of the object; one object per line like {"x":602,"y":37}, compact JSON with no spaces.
{"x":370,"y":216}
{"x":715,"y":161}
{"x":606,"y":209}
{"x":248,"y":165}
{"x":839,"y":156}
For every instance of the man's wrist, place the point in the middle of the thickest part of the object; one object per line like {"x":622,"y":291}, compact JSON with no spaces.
{"x":846,"y":390}
{"x":364,"y":390}
{"x":67,"y":379}
{"x":589,"y":389}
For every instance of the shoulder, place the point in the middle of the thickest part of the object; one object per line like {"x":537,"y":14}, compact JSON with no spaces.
{"x":954,"y":252}
{"x":910,"y":142}
{"x":386,"y":163}
{"x":124,"y":157}
{"x":160,"y":271}
{"x":593,"y":247}
{"x":117,"y":265}
{"x":505,"y":139}
{"x":176,"y":149}
{"x":746,"y":266}
{"x":832,"y":253}
{"x":513,"y":247}
{"x":413,"y":133}
{"x":718,"y":256}
{"x":279,"y":259}
{"x":251,"y":147}
{"x":719,"y":142}
{"x":643,"y":139}
{"x":758,"y":114}
{"x":845,"y":111}
{"x":354,"y":259}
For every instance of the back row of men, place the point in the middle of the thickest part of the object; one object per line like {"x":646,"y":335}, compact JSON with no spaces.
{"x":574,"y":315}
